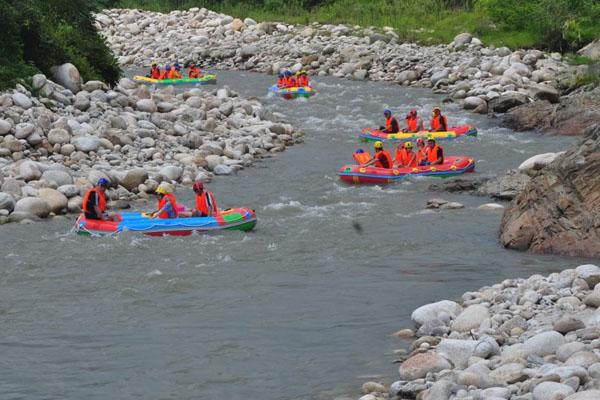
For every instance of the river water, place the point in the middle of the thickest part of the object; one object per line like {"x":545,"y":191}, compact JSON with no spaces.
{"x":300,"y":308}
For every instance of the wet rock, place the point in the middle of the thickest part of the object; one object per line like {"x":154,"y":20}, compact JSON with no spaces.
{"x":433,"y":311}
{"x":419,"y":365}
{"x":554,"y":210}
{"x":33,"y":205}
{"x":475,"y":103}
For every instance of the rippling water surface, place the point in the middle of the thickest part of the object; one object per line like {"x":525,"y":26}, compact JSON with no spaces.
{"x":300,"y":308}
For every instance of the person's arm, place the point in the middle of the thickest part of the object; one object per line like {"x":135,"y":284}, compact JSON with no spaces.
{"x":395,"y":127}
{"x":413,"y":158}
{"x":439,"y":157}
{"x":156,"y":213}
{"x":370,"y":162}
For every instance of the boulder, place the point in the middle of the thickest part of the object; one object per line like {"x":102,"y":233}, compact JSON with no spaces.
{"x":29,"y":171}
{"x":7,"y":202}
{"x":538,"y":162}
{"x":585,"y":395}
{"x":592,"y":50}
{"x":146,"y":105}
{"x":551,"y":391}
{"x":439,"y":75}
{"x":583,"y":359}
{"x":509,"y":373}
{"x":69,"y":190}
{"x":55,"y":199}
{"x":567,"y":324}
{"x":58,"y":136}
{"x":22,"y":100}
{"x":171,"y":172}
{"x":435,"y":310}
{"x":419,"y":365}
{"x":5,"y":127}
{"x":462,"y":39}
{"x":86,"y":143}
{"x":590,"y":273}
{"x":90,"y":86}
{"x":23,"y":130}
{"x":248,"y":51}
{"x":470,"y":318}
{"x":60,"y":177}
{"x":33,"y":205}
{"x":539,"y":91}
{"x":544,"y":343}
{"x":506,"y":101}
{"x":38,"y":81}
{"x":68,"y":76}
{"x":223,"y":169}
{"x":133,"y":178}
{"x":475,"y":103}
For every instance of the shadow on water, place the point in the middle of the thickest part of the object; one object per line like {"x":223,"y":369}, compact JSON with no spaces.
{"x":299,"y":308}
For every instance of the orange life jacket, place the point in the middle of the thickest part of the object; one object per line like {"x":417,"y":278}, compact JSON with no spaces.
{"x":361,"y":158}
{"x":281,"y":82}
{"x":432,"y":153}
{"x":294,"y":82}
{"x":164,"y":74}
{"x":411,"y":124}
{"x":163,"y":201}
{"x":194,"y":72}
{"x":155,"y":73}
{"x":436,"y":123}
{"x":174,"y":74}
{"x":388,"y":124}
{"x":101,"y":201}
{"x":205,"y":202}
{"x":387,"y":155}
{"x":288,"y":81}
{"x":302,"y":81}
{"x":403,"y":158}
{"x":421,"y":154}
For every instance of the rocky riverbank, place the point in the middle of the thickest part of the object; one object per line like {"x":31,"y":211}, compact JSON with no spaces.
{"x":482,"y":79}
{"x":521,"y":339}
{"x":58,"y":140}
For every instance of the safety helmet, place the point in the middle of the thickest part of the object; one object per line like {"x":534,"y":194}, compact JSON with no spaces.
{"x":413,"y":112}
{"x":378,"y":145}
{"x":387,"y":111}
{"x":153,"y":63}
{"x":303,"y":72}
{"x":103,"y":182}
{"x":359,"y":151}
{"x":161,"y":190}
{"x":436,"y":108}
{"x":280,"y":75}
{"x":167,"y":67}
{"x":408,"y":145}
{"x":288,"y":73}
{"x":420,"y":141}
{"x":198,"y":185}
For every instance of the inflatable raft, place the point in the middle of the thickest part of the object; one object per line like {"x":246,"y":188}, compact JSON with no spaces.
{"x":292,"y":92}
{"x":455,"y":165}
{"x":372,"y":135}
{"x":243,"y":219}
{"x":203,"y":80}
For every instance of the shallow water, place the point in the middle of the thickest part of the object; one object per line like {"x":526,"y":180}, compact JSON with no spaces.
{"x":300,"y":308}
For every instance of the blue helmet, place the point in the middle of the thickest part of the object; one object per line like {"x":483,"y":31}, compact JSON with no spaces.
{"x":103,"y":182}
{"x":288,"y":73}
{"x":387,"y":111}
{"x":359,"y":151}
{"x":280,"y":75}
{"x":167,"y":67}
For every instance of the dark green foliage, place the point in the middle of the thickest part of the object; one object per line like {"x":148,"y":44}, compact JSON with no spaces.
{"x":39,"y":34}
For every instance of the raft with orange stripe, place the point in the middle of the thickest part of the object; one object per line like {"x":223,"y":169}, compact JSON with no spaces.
{"x":452,"y":166}
{"x":243,"y":219}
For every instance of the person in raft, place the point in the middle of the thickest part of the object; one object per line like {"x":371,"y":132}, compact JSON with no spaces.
{"x":280,"y":80}
{"x":381,"y":159}
{"x":94,"y":202}
{"x":413,"y":122}
{"x":165,"y":72}
{"x":438,"y":122}
{"x":391,"y":123}
{"x":302,"y":79}
{"x":421,"y":151}
{"x":175,"y":72}
{"x":154,"y":71}
{"x":405,"y":156}
{"x":167,"y":204}
{"x":194,"y":71}
{"x":206,"y":205}
{"x":434,"y":153}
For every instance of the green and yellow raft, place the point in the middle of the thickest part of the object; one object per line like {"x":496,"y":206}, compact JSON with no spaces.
{"x":205,"y":79}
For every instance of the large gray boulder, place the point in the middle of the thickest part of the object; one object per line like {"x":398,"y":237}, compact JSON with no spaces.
{"x":171,"y":172}
{"x":68,"y":76}
{"x":5,"y":127}
{"x":22,"y":101}
{"x":23,"y":130}
{"x":552,"y":391}
{"x":133,"y":178}
{"x":59,"y":177}
{"x":29,"y":171}
{"x":506,"y":101}
{"x":86,"y":143}
{"x":419,"y":365}
{"x":442,"y":309}
{"x":543,"y":344}
{"x":33,"y":205}
{"x":462,"y":39}
{"x":470,"y":318}
{"x":58,"y":136}
{"x":146,"y":105}
{"x":592,"y":50}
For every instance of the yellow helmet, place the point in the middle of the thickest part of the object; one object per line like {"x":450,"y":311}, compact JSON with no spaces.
{"x":161,"y":190}
{"x":378,"y":145}
{"x":408,"y":145}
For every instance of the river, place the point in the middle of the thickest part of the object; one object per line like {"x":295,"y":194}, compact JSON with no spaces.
{"x":300,"y":308}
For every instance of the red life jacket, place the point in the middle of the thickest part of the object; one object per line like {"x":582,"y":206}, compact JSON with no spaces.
{"x":205,"y":202}
{"x":436,"y":123}
{"x":163,"y":201}
{"x":288,"y":81}
{"x":388,"y":158}
{"x":281,"y":82}
{"x":164,"y":74}
{"x":421,"y":154}
{"x":155,"y":73}
{"x":403,"y":158}
{"x":432,"y":153}
{"x":194,"y":72}
{"x":411,"y":124}
{"x":362,"y":158}
{"x":302,"y":81}
{"x":101,"y":200}
{"x":388,"y":124}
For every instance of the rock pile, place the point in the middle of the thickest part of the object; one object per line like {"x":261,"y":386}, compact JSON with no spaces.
{"x":55,"y":146}
{"x":481,"y":78}
{"x":522,"y":339}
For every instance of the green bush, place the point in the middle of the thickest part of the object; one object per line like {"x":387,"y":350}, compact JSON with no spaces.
{"x":39,"y":34}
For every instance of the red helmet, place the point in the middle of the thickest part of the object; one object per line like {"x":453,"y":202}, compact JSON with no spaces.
{"x":413,"y":112}
{"x":198,"y":185}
